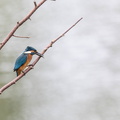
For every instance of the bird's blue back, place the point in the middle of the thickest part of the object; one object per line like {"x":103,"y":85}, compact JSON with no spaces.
{"x":20,"y":61}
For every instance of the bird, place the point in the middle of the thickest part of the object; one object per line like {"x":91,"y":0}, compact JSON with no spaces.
{"x":24,"y":59}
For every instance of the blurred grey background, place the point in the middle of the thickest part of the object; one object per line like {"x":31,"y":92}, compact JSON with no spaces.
{"x":79,"y":78}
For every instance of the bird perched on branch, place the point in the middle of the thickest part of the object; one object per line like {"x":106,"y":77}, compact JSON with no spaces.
{"x":24,"y":59}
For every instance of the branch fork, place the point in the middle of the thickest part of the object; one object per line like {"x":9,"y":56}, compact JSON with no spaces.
{"x":30,"y":67}
{"x":19,"y":23}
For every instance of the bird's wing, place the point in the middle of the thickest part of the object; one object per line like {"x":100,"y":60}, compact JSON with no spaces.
{"x":20,"y":61}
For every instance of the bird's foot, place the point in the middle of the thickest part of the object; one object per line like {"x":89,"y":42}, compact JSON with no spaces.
{"x":23,"y":72}
{"x":31,"y":65}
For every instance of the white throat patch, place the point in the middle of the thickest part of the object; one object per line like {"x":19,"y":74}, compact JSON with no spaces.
{"x":28,"y":52}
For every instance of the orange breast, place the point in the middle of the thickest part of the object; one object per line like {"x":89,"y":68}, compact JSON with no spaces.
{"x":29,"y":57}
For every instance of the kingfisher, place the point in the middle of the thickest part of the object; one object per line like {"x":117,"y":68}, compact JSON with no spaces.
{"x":24,"y":59}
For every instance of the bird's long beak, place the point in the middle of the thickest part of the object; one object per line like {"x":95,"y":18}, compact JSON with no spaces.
{"x":39,"y":54}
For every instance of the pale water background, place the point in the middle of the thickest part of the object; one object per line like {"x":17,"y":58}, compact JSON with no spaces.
{"x":79,"y":78}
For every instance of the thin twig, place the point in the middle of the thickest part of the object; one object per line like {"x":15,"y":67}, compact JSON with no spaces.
{"x":37,"y":59}
{"x":20,"y":23}
{"x":20,"y":36}
{"x":35,"y":4}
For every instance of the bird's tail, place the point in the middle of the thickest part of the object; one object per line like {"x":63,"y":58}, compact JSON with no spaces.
{"x":17,"y":72}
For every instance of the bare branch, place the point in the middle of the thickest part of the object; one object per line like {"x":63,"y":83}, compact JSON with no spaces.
{"x":37,"y":59}
{"x":20,"y":36}
{"x":20,"y":23}
{"x":35,"y":4}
